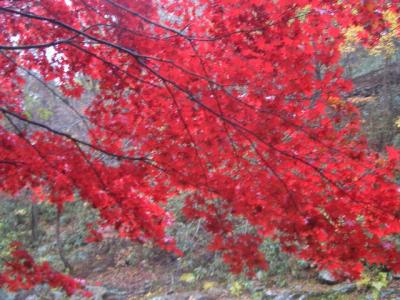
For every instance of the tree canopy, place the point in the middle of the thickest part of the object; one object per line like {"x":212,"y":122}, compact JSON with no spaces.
{"x":238,"y":104}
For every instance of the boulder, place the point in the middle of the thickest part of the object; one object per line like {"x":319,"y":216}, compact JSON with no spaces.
{"x":327,"y":277}
{"x":185,"y":296}
{"x":345,"y":288}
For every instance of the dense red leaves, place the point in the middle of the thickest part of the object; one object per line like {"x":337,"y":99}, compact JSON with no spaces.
{"x":21,"y":272}
{"x":237,"y":102}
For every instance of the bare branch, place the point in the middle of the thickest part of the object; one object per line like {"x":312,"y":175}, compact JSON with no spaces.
{"x":71,"y":138}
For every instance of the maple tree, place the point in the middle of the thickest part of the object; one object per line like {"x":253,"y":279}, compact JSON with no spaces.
{"x":238,"y":103}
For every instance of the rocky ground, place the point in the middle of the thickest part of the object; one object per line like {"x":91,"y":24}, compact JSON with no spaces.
{"x":109,"y":278}
{"x":340,"y":291}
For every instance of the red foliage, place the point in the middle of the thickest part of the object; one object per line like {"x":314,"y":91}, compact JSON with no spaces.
{"x":21,"y":272}
{"x":232,"y":100}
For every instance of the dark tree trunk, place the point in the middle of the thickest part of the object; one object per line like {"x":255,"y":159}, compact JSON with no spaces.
{"x":60,"y":247}
{"x":34,"y":222}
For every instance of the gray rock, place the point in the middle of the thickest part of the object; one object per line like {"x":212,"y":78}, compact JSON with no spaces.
{"x":345,"y":288}
{"x":304,"y":295}
{"x":216,"y":292}
{"x":316,"y":294}
{"x":326,"y":277}
{"x":5,"y":296}
{"x":184,"y":296}
{"x":114,"y":294}
{"x":270,"y":294}
{"x":396,"y":276}
{"x":291,"y":296}
{"x":57,"y":295}
{"x":391,"y":293}
{"x":284,"y":295}
{"x":97,"y":291}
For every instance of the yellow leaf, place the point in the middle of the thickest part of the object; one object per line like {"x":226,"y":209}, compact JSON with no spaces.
{"x":236,"y":288}
{"x":209,"y":285}
{"x":188,"y":277}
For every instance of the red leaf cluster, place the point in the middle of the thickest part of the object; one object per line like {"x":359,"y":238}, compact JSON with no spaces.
{"x":21,"y":272}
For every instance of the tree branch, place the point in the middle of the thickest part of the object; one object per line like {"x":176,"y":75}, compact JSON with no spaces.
{"x":71,"y":138}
